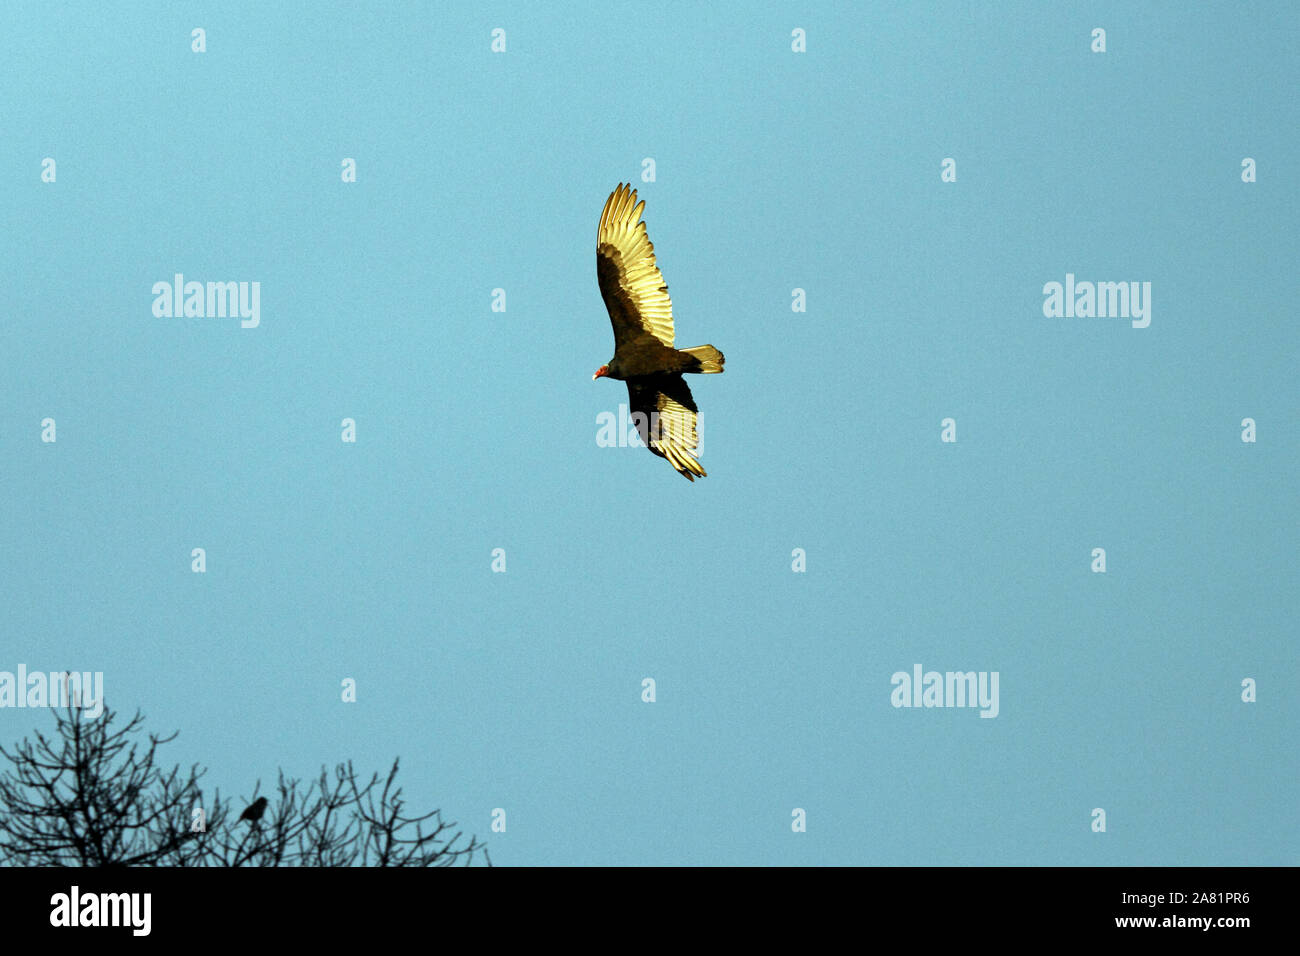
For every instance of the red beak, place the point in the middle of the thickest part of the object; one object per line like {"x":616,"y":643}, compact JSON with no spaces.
{"x":600,"y":372}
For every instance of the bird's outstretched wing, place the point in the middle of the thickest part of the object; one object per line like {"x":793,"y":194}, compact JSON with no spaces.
{"x":668,"y":425}
{"x":630,"y":283}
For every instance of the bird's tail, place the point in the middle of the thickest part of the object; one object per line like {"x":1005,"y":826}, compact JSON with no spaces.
{"x":710,"y":359}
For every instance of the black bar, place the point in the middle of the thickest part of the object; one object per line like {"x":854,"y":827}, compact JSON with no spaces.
{"x":972,"y":904}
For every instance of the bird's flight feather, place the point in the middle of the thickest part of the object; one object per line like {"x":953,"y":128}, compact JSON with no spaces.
{"x":668,"y":428}
{"x":630,"y":282}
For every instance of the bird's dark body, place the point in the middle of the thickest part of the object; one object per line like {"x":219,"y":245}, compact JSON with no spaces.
{"x":651,"y":357}
{"x":254,"y":811}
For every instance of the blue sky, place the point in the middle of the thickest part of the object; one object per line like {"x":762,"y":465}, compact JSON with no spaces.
{"x":476,"y":429}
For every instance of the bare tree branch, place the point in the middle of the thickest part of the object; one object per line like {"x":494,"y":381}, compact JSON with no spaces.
{"x":95,"y":795}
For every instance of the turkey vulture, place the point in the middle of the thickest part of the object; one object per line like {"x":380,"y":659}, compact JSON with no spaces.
{"x":642,"y":315}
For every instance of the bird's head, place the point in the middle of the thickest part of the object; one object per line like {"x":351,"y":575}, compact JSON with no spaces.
{"x":601,"y":372}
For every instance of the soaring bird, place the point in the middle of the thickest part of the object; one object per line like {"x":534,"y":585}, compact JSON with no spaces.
{"x":642,"y":315}
{"x":253,"y":812}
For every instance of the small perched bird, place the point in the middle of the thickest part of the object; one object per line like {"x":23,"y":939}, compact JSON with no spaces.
{"x":642,"y":315}
{"x":254,"y":810}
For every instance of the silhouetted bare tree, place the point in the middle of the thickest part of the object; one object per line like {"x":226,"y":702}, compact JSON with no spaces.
{"x":95,"y":795}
